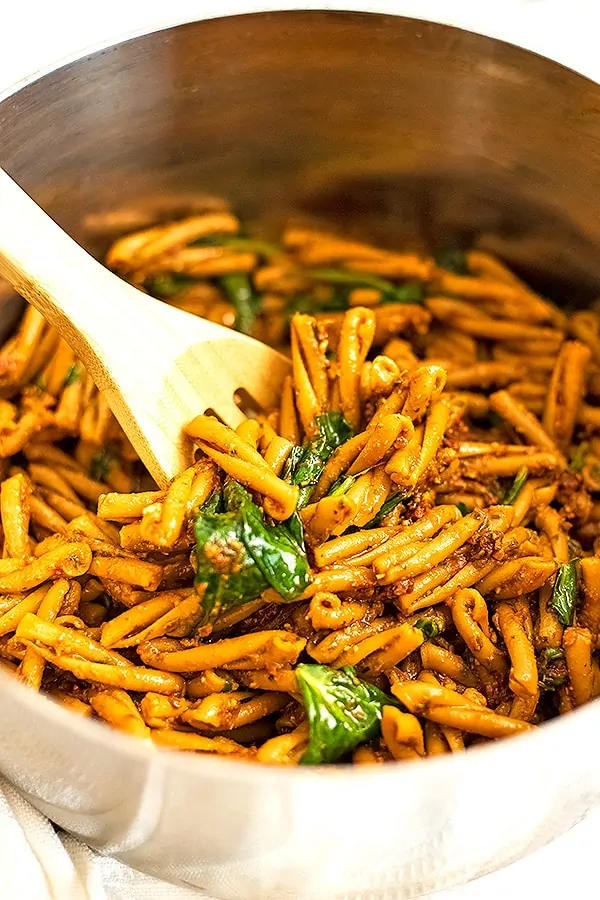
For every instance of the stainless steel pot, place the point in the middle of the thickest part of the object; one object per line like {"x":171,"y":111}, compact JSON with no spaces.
{"x":409,"y":132}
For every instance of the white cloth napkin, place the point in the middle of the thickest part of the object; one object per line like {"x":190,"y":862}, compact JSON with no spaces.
{"x":37,"y":862}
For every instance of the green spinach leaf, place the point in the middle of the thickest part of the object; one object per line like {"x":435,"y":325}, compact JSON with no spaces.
{"x":552,"y":669}
{"x":224,"y":565}
{"x":579,"y":457}
{"x":453,"y":260}
{"x":238,"y":555}
{"x":341,"y":485}
{"x":167,"y":284}
{"x":305,"y":464}
{"x":411,"y":292}
{"x":390,"y":504}
{"x":429,"y":627}
{"x":102,"y":461}
{"x":276,"y":553}
{"x":511,"y":495}
{"x":343,"y":711}
{"x":311,"y":305}
{"x":238,"y":242}
{"x":564,"y":593}
{"x":73,"y":375}
{"x":245,"y":301}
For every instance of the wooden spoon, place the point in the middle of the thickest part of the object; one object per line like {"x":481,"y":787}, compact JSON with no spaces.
{"x":158,"y":366}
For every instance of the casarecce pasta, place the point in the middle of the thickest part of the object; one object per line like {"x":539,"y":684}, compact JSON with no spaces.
{"x":400,"y":561}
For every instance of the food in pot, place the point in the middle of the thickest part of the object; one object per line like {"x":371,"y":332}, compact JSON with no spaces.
{"x":399,"y":561}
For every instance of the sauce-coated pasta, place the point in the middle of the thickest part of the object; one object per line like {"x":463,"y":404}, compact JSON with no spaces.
{"x":399,"y":561}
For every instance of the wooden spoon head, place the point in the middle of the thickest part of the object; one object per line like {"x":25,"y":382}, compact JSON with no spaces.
{"x":196,"y":367}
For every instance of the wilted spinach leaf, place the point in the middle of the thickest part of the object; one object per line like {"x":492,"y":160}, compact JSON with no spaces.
{"x":429,"y":627}
{"x":341,"y":485}
{"x":411,"y":292}
{"x":275,"y":551}
{"x":102,"y":461}
{"x":239,"y":556}
{"x":564,"y":593}
{"x":239,"y":242}
{"x":343,"y":711}
{"x":579,"y":457}
{"x":552,"y":669}
{"x":224,"y":565}
{"x":305,"y":464}
{"x":310,"y":304}
{"x":167,"y":284}
{"x":390,"y":504}
{"x":453,"y":260}
{"x":511,"y":495}
{"x":73,"y":375}
{"x":245,"y":301}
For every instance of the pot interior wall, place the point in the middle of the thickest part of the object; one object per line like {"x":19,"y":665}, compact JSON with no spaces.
{"x":405,"y":131}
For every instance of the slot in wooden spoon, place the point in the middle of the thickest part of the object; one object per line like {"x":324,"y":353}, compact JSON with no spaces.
{"x":158,"y":366}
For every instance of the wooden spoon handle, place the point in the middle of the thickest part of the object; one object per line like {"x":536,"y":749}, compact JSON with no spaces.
{"x":90,"y":307}
{"x":158,"y":366}
{"x":123,"y":337}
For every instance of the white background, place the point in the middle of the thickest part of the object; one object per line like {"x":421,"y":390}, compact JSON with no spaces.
{"x":34,"y":35}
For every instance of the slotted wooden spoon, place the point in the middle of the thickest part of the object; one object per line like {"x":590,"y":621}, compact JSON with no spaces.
{"x":158,"y":366}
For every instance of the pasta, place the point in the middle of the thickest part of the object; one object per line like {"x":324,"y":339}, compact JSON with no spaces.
{"x":400,"y":561}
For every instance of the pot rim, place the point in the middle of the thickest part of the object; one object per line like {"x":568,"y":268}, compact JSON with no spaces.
{"x":230,"y":8}
{"x":505,"y":751}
